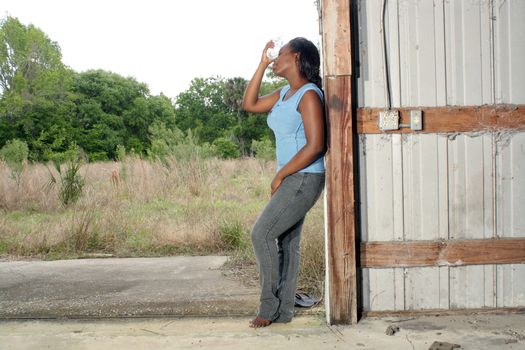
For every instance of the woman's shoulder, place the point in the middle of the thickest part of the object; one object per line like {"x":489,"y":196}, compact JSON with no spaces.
{"x":313,"y":86}
{"x":310,"y":86}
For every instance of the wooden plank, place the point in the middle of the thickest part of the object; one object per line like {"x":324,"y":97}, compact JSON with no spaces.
{"x":337,"y":55}
{"x":341,"y":269}
{"x":442,"y":253}
{"x":449,"y":119}
{"x":445,"y":312}
{"x":341,"y":243}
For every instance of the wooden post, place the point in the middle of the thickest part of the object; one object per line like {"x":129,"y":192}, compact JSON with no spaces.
{"x":341,"y":244}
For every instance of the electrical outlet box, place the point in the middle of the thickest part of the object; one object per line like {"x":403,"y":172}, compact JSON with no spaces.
{"x":416,"y":120}
{"x":388,"y":120}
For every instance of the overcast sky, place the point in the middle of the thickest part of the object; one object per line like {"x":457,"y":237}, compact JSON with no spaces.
{"x":166,"y":43}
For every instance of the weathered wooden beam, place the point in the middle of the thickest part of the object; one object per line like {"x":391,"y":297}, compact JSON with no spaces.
{"x":449,"y":119}
{"x":341,"y":307}
{"x":335,"y":19}
{"x":444,"y":312}
{"x":442,"y":253}
{"x":341,"y":258}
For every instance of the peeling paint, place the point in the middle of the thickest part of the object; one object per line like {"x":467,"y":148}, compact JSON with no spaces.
{"x":443,"y":262}
{"x":503,"y":139}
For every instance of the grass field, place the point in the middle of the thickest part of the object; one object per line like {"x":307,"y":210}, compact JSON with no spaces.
{"x":143,"y":208}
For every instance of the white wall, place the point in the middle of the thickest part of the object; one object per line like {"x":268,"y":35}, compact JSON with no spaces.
{"x":430,"y":186}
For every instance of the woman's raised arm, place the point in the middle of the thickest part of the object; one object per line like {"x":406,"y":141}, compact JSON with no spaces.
{"x":252,"y":102}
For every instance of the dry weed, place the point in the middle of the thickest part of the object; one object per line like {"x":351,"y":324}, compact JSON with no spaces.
{"x":144,"y":208}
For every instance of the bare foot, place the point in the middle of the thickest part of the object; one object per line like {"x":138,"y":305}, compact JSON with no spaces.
{"x":259,"y":322}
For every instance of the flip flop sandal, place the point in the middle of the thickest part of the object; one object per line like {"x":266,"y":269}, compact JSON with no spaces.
{"x":304,"y":300}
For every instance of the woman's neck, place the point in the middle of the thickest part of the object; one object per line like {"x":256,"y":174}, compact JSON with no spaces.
{"x":297,"y":82}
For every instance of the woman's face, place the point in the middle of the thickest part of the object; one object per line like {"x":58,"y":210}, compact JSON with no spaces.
{"x":286,"y":61}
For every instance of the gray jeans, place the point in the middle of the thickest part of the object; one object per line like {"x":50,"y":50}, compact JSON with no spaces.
{"x":276,"y":241}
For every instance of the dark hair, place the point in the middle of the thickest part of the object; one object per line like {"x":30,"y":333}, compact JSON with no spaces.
{"x":309,"y":60}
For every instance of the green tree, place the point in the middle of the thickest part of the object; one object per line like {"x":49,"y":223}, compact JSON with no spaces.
{"x":103,"y":98}
{"x":212,"y":108}
{"x":163,"y":140}
{"x":233,"y":96}
{"x":250,"y":127}
{"x":53,"y":108}
{"x":202,"y":109}
{"x":26,"y":54}
{"x":113,"y":110}
{"x":263,"y":149}
{"x":226,"y":148}
{"x":35,"y":105}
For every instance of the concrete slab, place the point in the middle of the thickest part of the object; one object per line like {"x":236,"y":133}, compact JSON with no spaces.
{"x":131,"y":304}
{"x":483,"y":332}
{"x":122,"y":287}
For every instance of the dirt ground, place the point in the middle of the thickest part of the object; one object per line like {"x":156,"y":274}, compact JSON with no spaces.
{"x":476,"y":332}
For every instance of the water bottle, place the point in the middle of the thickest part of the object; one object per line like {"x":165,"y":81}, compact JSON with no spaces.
{"x":273,"y":52}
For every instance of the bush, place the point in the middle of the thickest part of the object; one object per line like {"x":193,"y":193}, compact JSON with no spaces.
{"x":121,"y":153}
{"x":263,"y":149}
{"x":15,"y":153}
{"x":232,"y":235}
{"x":226,"y":148}
{"x":159,"y":150}
{"x":163,"y":140}
{"x":71,"y":182}
{"x":166,"y":143}
{"x":98,"y":156}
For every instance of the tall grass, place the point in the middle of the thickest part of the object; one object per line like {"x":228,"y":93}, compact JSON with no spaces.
{"x":136,"y":207}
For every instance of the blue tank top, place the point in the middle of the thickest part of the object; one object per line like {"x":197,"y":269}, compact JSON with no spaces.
{"x":287,"y":125}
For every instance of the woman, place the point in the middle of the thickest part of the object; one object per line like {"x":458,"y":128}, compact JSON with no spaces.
{"x":297,"y":119}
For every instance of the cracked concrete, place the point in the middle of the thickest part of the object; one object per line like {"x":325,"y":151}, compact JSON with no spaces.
{"x":122,"y":287}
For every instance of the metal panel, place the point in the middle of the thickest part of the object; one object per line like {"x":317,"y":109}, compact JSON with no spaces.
{"x":380,"y":201}
{"x":405,"y":190}
{"x":509,"y":50}
{"x":470,"y":192}
{"x":424,"y":187}
{"x":422,"y":197}
{"x":441,"y":52}
{"x":378,"y":218}
{"x":510,"y":207}
{"x":453,"y":187}
{"x":471,"y":216}
{"x":467,"y":37}
{"x":427,"y":187}
{"x":511,"y":285}
{"x":371,"y":82}
{"x":510,"y":164}
{"x":421,"y":191}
